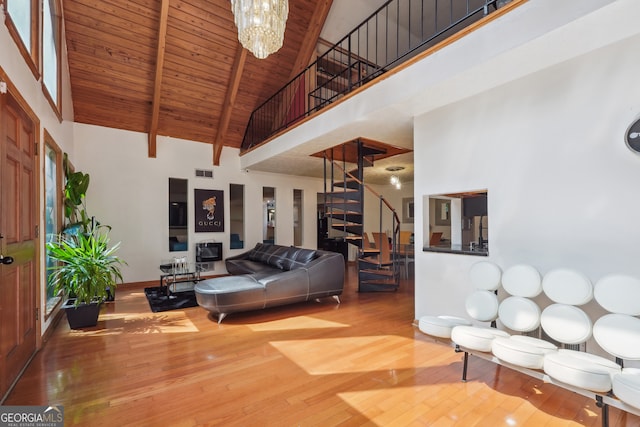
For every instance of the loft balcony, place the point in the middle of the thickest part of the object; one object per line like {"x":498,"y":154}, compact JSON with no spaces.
{"x":396,"y":32}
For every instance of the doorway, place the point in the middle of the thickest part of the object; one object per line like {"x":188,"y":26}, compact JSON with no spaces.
{"x":18,"y":240}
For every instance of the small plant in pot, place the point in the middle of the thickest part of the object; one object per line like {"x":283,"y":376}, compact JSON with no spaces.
{"x":87,"y":271}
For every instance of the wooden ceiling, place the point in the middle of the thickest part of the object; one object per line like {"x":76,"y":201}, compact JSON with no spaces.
{"x":176,"y":68}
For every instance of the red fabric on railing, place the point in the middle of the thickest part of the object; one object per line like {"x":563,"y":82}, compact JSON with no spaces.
{"x":298,"y":107}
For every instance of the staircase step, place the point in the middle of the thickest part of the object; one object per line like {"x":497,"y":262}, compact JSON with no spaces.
{"x":348,"y":206}
{"x":344,"y":195}
{"x":372,"y":151}
{"x":369,"y":252}
{"x":352,"y":218}
{"x":352,"y":229}
{"x":366,"y":162}
{"x":377,"y":287}
{"x":354,"y":240}
{"x":376,"y":272}
{"x":350,"y":183}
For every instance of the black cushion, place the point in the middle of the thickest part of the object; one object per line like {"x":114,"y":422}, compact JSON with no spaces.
{"x":298,"y":257}
{"x":278,"y":256}
{"x":255,"y":253}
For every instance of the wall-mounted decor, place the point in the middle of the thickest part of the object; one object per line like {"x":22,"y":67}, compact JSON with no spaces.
{"x":209,"y":210}
{"x":443,"y":212}
{"x":407,"y":210}
{"x":632,"y":137}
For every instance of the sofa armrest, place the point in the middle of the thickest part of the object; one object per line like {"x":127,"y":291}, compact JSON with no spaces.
{"x":326,"y":274}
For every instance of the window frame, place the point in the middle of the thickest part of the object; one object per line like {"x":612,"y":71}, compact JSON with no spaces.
{"x":49,"y":143}
{"x":56,"y":18}
{"x":31,"y":54}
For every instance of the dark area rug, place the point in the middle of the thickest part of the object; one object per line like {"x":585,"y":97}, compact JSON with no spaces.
{"x":159,"y":301}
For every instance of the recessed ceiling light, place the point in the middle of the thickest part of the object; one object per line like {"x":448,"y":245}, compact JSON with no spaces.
{"x":394,"y":168}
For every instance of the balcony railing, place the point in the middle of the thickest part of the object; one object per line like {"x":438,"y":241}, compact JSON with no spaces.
{"x":396,"y":32}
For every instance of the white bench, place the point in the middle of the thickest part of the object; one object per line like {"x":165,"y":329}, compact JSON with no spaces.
{"x":590,"y":375}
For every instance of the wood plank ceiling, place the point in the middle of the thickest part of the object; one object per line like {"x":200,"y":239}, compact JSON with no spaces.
{"x":176,"y":68}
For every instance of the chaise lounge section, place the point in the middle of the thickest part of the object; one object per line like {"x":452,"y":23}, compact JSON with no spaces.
{"x":272,"y":275}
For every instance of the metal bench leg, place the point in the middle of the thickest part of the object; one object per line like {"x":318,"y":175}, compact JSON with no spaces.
{"x":465,"y":363}
{"x":604,"y":411}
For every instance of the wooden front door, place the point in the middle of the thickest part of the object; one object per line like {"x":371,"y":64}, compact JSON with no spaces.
{"x":18,"y":240}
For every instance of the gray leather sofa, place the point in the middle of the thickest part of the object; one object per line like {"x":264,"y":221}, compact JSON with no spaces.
{"x":272,"y":275}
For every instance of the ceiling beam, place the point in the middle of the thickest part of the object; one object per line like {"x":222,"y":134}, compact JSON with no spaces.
{"x":229,"y":102}
{"x":162,"y":41}
{"x":306,"y":52}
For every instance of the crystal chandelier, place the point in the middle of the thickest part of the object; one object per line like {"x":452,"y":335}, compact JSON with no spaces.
{"x":260,"y":24}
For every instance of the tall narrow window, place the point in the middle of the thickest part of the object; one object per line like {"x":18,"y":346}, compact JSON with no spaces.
{"x":297,"y":217}
{"x":236,"y":211}
{"x":269,"y":214}
{"x":178,"y":222}
{"x":22,"y":22}
{"x":51,"y":51}
{"x":53,"y":207}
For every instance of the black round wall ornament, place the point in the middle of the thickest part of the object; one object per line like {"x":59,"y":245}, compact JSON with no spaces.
{"x":632,"y":137}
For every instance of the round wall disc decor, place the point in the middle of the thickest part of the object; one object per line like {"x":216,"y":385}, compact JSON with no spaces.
{"x":632,"y":136}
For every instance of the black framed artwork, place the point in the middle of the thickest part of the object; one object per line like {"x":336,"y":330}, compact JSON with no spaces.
{"x":209,"y":210}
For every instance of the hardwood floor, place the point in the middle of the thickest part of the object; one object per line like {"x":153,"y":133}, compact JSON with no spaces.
{"x":314,"y":364}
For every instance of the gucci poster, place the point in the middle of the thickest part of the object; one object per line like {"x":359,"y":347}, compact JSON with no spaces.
{"x":209,"y":211}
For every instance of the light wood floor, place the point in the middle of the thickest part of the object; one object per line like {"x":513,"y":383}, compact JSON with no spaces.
{"x":360,"y":363}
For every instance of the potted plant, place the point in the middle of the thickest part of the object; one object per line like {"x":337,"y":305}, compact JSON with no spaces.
{"x":86,"y":270}
{"x":75,"y":190}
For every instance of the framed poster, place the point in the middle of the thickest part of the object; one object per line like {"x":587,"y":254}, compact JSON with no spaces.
{"x":407,"y":210}
{"x":443,"y":212}
{"x":209,"y":211}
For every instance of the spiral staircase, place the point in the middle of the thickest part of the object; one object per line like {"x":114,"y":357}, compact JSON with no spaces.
{"x":345,"y":193}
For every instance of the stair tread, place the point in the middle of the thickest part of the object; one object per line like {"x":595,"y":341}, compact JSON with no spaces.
{"x":389,"y":282}
{"x":377,"y":272}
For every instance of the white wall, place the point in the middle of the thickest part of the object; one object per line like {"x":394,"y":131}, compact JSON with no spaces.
{"x":563,"y":187}
{"x":129,"y":191}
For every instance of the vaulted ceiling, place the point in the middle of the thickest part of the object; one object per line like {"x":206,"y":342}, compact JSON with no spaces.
{"x":176,"y":68}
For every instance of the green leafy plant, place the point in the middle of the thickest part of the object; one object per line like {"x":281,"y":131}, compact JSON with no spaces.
{"x":75,"y":191}
{"x":87,"y":266}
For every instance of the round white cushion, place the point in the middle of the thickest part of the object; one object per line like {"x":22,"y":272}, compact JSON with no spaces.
{"x":519,"y":314}
{"x":485,"y":275}
{"x":522,"y":280}
{"x":618,"y":294}
{"x":528,"y":353}
{"x":440,"y":326}
{"x":475,"y":338}
{"x":537,"y":342}
{"x":579,"y":369}
{"x":619,"y":335}
{"x":566,"y":323}
{"x":626,"y":386}
{"x":566,"y":286}
{"x":482,"y":305}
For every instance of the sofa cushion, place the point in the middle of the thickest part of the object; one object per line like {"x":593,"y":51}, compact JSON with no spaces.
{"x":255,"y":253}
{"x":278,"y":256}
{"x":298,"y":257}
{"x":247,"y":266}
{"x":263,"y":252}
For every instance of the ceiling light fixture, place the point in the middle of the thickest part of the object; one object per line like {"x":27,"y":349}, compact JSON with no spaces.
{"x":395,"y":180}
{"x":394,"y":168}
{"x":261,"y":24}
